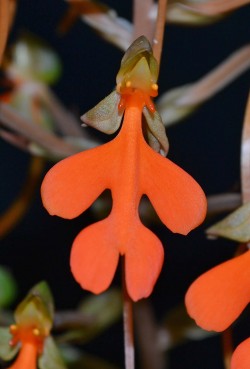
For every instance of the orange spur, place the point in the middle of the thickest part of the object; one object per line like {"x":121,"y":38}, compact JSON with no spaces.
{"x":129,"y":167}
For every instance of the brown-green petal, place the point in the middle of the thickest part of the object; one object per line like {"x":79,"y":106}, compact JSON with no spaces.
{"x":157,"y":129}
{"x":235,"y":226}
{"x":51,"y":357}
{"x":134,"y":52}
{"x":7,"y":352}
{"x":105,"y":116}
{"x":36,"y":309}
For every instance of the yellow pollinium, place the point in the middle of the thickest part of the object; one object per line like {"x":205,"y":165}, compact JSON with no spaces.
{"x":36,"y":332}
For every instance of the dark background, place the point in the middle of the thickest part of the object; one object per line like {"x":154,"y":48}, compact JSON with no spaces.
{"x":207,"y":145}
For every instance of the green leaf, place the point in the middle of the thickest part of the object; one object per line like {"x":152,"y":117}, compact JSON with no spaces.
{"x":51,"y":357}
{"x":8,"y":288}
{"x":235,"y":226}
{"x":34,"y":59}
{"x":7,"y":352}
{"x":105,"y":116}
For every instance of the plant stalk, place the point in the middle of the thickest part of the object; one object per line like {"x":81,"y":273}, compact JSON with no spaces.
{"x":128,"y":325}
{"x":159,"y":29}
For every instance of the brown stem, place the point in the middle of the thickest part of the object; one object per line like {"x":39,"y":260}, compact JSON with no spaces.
{"x":71,"y":319}
{"x":245,"y":156}
{"x":12,"y":11}
{"x":227,"y":343}
{"x":28,"y":129}
{"x":147,"y":332}
{"x":64,"y":119}
{"x":20,"y":206}
{"x":214,"y":81}
{"x":4,"y":25}
{"x":143,"y":25}
{"x":159,"y":29}
{"x":128,"y":324}
{"x":213,"y":8}
{"x":224,"y":202}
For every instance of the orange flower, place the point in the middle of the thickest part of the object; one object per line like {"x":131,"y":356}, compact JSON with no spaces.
{"x":241,"y":356}
{"x":129,"y":168}
{"x":33,"y":322}
{"x":216,"y":298}
{"x":31,"y":339}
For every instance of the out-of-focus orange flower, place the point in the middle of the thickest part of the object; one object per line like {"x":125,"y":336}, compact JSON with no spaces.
{"x":33,"y":323}
{"x":31,"y":339}
{"x":217,"y":297}
{"x":241,"y":356}
{"x":129,"y":167}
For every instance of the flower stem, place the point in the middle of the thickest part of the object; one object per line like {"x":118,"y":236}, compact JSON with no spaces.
{"x":4,"y":25}
{"x":245,"y":152}
{"x":20,"y":205}
{"x":143,"y":24}
{"x":128,"y":324}
{"x":159,"y":29}
{"x":152,"y":354}
{"x":227,"y":342}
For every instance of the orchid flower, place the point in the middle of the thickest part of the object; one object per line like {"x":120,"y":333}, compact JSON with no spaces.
{"x":241,"y":356}
{"x":217,"y":298}
{"x":130,"y":168}
{"x":30,"y":334}
{"x":31,"y":338}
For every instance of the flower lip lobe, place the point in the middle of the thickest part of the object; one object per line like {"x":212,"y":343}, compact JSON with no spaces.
{"x":94,"y":256}
{"x":73,"y":184}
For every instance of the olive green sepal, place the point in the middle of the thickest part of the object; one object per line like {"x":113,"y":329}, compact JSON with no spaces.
{"x":105,"y":116}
